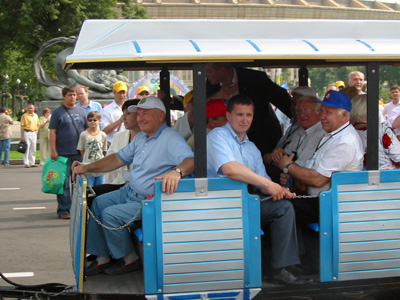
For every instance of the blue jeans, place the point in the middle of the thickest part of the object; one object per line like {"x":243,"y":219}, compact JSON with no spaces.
{"x":93,"y":181}
{"x":64,"y":200}
{"x":113,"y":209}
{"x":5,"y":146}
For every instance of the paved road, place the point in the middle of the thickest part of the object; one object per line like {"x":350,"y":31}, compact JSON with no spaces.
{"x":32,"y":238}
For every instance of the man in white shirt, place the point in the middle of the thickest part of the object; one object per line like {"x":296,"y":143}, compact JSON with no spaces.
{"x":339,"y":150}
{"x":392,"y":109}
{"x":357,"y":79}
{"x":111,"y":115}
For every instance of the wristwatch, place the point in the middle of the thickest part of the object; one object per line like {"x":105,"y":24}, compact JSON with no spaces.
{"x":178,"y":170}
{"x":286,"y":169}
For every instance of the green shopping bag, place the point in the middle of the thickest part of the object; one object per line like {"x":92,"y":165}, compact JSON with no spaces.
{"x":53,"y":175}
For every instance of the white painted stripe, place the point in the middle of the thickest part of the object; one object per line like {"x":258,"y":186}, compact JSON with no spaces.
{"x":9,"y":189}
{"x":27,"y":208}
{"x":19,"y":274}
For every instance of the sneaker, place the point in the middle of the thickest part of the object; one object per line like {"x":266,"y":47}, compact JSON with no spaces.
{"x":6,"y":165}
{"x":27,"y":166}
{"x":34,"y":166}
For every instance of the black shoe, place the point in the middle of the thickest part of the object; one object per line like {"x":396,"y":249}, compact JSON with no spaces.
{"x":301,"y":270}
{"x":284,"y":276}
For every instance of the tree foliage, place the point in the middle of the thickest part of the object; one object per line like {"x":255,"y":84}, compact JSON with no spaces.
{"x":26,"y":24}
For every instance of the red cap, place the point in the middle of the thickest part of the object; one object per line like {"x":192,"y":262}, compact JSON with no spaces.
{"x":216,"y":108}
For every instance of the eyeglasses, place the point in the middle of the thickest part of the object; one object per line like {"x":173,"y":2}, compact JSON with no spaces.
{"x":92,"y":120}
{"x":144,"y":93}
{"x":306,"y":111}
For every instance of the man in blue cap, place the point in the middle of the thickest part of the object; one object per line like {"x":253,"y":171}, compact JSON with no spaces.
{"x":339,"y":150}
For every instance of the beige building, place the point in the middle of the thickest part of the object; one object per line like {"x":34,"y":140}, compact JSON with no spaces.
{"x":266,"y":9}
{"x":270,"y":9}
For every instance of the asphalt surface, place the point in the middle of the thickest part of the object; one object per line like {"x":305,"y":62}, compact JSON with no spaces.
{"x":33,"y":240}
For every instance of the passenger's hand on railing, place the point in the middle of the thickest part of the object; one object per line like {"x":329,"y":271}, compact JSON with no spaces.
{"x":170,"y":181}
{"x":278,"y":192}
{"x":76,"y":168}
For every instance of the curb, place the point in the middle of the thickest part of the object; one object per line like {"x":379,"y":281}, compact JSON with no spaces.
{"x":21,"y":162}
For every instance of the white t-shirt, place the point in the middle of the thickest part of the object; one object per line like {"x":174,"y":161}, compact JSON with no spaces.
{"x":110,"y":114}
{"x":93,"y":145}
{"x":388,"y":109}
{"x":338,"y":151}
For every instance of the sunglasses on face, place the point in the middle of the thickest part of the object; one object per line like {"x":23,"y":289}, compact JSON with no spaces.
{"x":144,"y":93}
{"x":92,"y":120}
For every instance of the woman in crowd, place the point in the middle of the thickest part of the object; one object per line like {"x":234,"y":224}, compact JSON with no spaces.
{"x":44,"y":135}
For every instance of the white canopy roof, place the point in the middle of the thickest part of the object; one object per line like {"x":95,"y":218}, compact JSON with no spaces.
{"x":180,"y":41}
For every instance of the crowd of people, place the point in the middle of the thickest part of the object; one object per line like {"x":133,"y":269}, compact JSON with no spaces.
{"x":125,"y":146}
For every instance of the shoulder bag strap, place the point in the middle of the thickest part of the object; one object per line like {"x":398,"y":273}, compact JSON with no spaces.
{"x":73,"y":123}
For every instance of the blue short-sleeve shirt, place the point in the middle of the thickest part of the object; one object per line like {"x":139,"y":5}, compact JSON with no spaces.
{"x":223,"y":146}
{"x":153,"y":157}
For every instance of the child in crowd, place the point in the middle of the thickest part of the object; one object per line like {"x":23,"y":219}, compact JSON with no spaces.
{"x":93,"y":145}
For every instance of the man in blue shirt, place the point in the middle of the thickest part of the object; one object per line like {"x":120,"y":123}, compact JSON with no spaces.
{"x":230,"y":153}
{"x":66,"y":124}
{"x":82,"y":93}
{"x":157,"y":153}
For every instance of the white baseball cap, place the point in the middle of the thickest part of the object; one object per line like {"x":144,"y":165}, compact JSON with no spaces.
{"x":148,"y":103}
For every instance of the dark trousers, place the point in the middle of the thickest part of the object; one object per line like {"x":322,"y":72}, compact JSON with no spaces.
{"x":280,"y":218}
{"x":307,"y":210}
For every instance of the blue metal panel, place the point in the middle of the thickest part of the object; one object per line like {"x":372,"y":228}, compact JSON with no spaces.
{"x":359,"y":238}
{"x":151,"y":280}
{"x":153,"y":238}
{"x":326,"y":233}
{"x":77,"y":230}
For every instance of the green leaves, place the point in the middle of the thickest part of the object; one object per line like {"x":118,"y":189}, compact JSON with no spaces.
{"x":25,"y":25}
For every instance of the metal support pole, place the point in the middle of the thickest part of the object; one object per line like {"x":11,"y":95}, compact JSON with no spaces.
{"x":303,"y":76}
{"x":165,"y":86}
{"x":373,"y":115}
{"x":199,"y":127}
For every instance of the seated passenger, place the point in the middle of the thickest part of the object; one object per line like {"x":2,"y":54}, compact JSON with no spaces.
{"x":340,"y":149}
{"x":119,"y":177}
{"x":157,"y":152}
{"x":293,"y":133}
{"x":389,"y":145}
{"x":231,"y":154}
{"x":122,"y":139}
{"x":216,"y":117}
{"x":185,"y":124}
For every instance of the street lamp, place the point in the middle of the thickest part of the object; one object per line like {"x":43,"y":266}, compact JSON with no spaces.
{"x":25,"y":87}
{"x":19,"y":93}
{"x":6,"y":79}
{"x":18,"y":83}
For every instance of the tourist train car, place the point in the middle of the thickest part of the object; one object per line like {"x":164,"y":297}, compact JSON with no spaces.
{"x":204,"y":241}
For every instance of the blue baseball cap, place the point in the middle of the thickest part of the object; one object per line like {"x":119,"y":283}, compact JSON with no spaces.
{"x":336,"y":99}
{"x":285,"y":86}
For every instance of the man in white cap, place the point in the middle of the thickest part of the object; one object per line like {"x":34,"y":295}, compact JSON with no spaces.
{"x":157,"y":152}
{"x":111,"y":115}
